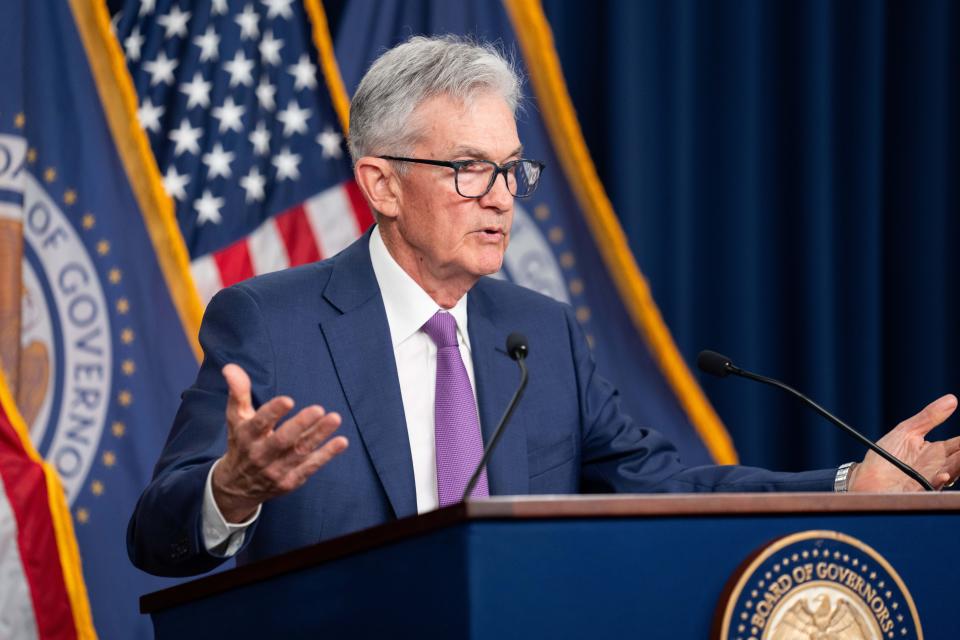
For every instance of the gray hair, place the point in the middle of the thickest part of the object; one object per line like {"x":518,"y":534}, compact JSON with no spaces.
{"x":405,"y":76}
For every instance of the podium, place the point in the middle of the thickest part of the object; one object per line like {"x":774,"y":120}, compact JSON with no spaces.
{"x":657,"y":566}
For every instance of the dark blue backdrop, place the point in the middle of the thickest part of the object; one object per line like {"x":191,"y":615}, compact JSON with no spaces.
{"x":786,"y":174}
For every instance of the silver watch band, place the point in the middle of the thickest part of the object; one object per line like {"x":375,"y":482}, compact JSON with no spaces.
{"x":841,"y":483}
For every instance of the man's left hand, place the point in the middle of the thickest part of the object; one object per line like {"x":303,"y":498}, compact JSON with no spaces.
{"x":938,"y":462}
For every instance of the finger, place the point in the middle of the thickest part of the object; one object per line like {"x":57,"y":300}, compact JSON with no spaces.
{"x":286,"y":437}
{"x":952,"y":445}
{"x":951,"y":466}
{"x":318,"y":432}
{"x":932,"y":415}
{"x":322,"y":456}
{"x":267,"y":416}
{"x":239,"y":403}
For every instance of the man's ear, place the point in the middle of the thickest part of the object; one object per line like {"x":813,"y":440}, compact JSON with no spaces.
{"x":378,"y":182}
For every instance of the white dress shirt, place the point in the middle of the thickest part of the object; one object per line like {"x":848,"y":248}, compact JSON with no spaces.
{"x":408,"y":307}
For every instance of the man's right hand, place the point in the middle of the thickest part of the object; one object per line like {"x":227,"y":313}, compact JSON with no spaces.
{"x":262,"y":461}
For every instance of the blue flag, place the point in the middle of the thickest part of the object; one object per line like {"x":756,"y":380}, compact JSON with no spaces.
{"x":104,"y":315}
{"x":566,"y":241}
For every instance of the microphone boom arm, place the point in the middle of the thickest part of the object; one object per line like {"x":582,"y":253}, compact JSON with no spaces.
{"x":496,"y":434}
{"x":870,"y":444}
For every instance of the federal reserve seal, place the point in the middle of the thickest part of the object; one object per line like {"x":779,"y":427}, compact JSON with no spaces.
{"x":819,"y":585}
{"x":66,"y":361}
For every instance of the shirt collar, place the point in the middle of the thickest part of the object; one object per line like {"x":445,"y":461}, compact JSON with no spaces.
{"x":408,"y":306}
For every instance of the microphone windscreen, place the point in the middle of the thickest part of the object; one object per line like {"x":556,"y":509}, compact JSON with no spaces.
{"x":714,"y":363}
{"x":517,"y":345}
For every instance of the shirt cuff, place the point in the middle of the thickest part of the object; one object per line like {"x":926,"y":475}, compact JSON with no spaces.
{"x":221,"y":538}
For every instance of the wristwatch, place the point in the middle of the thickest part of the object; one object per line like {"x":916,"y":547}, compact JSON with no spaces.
{"x":841,"y":483}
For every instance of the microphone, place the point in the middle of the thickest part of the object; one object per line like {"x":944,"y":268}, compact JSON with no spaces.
{"x":517,"y":349}
{"x":720,"y":365}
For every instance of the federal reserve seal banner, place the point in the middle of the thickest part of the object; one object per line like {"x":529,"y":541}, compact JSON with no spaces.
{"x":94,"y":337}
{"x":819,"y":584}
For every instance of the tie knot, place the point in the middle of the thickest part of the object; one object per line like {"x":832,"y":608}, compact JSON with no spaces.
{"x":442,"y":329}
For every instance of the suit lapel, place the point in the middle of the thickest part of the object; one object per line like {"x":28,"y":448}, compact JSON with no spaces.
{"x":497,"y":377}
{"x":357,"y":339}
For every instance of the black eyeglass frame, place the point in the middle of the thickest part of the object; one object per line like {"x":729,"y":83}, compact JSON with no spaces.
{"x":456,"y":165}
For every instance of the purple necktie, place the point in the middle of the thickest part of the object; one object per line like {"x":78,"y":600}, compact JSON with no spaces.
{"x":458,"y":437}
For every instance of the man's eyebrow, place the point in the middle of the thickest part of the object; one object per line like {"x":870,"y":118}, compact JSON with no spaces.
{"x":473,"y":152}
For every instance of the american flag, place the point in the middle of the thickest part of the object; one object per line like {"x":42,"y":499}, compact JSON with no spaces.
{"x":244,"y":132}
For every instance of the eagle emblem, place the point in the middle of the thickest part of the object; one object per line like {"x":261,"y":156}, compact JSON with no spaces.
{"x":824,"y":622}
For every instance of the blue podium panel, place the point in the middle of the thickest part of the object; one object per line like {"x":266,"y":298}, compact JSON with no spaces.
{"x":483,"y":572}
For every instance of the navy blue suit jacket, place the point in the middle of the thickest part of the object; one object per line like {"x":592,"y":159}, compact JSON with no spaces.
{"x":319,"y":334}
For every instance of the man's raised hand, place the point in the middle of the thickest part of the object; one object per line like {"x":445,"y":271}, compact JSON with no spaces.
{"x":937,"y":461}
{"x":263,"y":461}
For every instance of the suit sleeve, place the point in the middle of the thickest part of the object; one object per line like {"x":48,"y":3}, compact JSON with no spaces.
{"x":621,"y":456}
{"x":164,"y":536}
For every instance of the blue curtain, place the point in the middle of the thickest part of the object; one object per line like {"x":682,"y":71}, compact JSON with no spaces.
{"x":786,"y":173}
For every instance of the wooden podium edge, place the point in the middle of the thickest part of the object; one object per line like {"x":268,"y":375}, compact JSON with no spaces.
{"x":548,"y":507}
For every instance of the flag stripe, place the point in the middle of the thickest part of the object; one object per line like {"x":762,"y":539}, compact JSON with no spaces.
{"x":266,"y":250}
{"x":361,"y":211}
{"x":328,"y":214}
{"x":206,"y":274}
{"x":297,"y":236}
{"x":51,"y":561}
{"x":234,"y":263}
{"x":18,"y":620}
{"x":26,"y":490}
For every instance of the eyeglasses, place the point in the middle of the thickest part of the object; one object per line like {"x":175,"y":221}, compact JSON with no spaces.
{"x":475,"y":178}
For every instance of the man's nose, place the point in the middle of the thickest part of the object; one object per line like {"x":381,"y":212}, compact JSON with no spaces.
{"x":499,"y":196}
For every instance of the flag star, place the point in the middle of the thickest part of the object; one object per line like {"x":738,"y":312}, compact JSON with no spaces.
{"x":175,"y":183}
{"x":253,"y":183}
{"x":197,"y":91}
{"x":218,"y":162}
{"x":208,"y":208}
{"x":160,"y":69}
{"x":278,"y":8}
{"x":186,"y":138}
{"x":174,"y":23}
{"x":149,"y":115}
{"x":219,"y":8}
{"x":147,"y":7}
{"x":294,"y":119}
{"x":132,"y":44}
{"x":209,"y":44}
{"x":265,"y":92}
{"x":240,"y":70}
{"x":248,"y":20}
{"x":287,"y":164}
{"x":330,"y":141}
{"x":270,"y":48}
{"x":229,"y":115}
{"x":304,"y":73}
{"x":260,"y":139}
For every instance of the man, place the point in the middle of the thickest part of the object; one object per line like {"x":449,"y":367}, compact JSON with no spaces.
{"x":396,"y":346}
